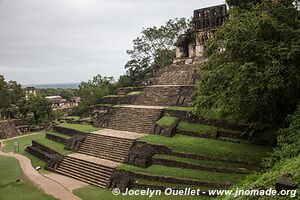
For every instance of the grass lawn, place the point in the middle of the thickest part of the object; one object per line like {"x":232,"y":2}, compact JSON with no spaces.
{"x":23,"y":143}
{"x":210,"y":147}
{"x":60,"y":135}
{"x":92,"y":193}
{"x":170,"y":185}
{"x":26,"y":141}
{"x":53,"y":145}
{"x":198,"y":128}
{"x":10,"y":189}
{"x":188,"y":109}
{"x":207,"y":163}
{"x":167,"y":121}
{"x":80,"y":127}
{"x":134,"y":93}
{"x":158,"y":170}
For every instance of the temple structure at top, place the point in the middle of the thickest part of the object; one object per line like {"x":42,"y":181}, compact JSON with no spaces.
{"x":205,"y":22}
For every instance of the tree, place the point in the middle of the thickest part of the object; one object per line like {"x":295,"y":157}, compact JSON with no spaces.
{"x":94,"y":89}
{"x":4,"y":94}
{"x":38,"y":106}
{"x":16,"y":92}
{"x":257,"y":78}
{"x":153,"y":49}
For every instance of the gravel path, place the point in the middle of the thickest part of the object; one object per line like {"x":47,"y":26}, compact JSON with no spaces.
{"x":49,"y":186}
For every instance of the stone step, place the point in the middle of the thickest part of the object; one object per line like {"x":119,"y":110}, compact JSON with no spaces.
{"x":107,"y":141}
{"x":114,"y":147}
{"x":88,"y":163}
{"x":107,"y":157}
{"x":84,"y":166}
{"x":87,"y":172}
{"x":64,"y":172}
{"x":104,"y":150}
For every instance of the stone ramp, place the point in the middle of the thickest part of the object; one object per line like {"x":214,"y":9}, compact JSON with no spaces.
{"x":87,"y":169}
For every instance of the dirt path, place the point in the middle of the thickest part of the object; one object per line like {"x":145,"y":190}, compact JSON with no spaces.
{"x":49,"y":186}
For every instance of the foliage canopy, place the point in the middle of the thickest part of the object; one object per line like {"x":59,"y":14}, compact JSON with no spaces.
{"x":257,"y":77}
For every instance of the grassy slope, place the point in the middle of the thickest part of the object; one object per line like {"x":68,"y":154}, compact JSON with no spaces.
{"x":208,"y":163}
{"x":199,"y":128}
{"x":166,"y":121}
{"x":80,"y":127}
{"x":60,"y":135}
{"x":26,"y":141}
{"x":210,"y":147}
{"x":159,"y":170}
{"x":10,"y":189}
{"x":92,"y":193}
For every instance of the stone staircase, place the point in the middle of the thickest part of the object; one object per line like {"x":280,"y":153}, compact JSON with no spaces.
{"x":106,"y":147}
{"x":86,"y":171}
{"x":139,"y":120}
{"x":163,"y":95}
{"x":174,"y":74}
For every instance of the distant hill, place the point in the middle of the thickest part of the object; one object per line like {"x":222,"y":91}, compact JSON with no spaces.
{"x":55,"y":85}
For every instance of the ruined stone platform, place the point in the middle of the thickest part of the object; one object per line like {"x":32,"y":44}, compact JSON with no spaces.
{"x":95,"y":160}
{"x":119,"y":134}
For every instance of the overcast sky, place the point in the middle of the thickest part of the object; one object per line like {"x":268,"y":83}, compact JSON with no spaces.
{"x":67,"y":41}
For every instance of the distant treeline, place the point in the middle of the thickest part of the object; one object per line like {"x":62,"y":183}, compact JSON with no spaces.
{"x":65,"y":93}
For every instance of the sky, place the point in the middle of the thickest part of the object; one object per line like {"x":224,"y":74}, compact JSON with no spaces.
{"x":69,"y":41}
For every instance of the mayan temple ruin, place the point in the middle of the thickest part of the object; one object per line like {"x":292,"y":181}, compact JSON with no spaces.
{"x":147,"y":136}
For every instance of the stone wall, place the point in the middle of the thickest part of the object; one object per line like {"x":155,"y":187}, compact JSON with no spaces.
{"x":8,"y":129}
{"x":165,"y":96}
{"x":175,"y":74}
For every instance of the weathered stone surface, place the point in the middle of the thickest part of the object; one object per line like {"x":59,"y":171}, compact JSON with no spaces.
{"x":120,"y":180}
{"x":141,"y":154}
{"x":139,"y":120}
{"x":74,"y":143}
{"x":284,"y":183}
{"x":7,"y":129}
{"x":175,"y":74}
{"x":54,"y":161}
{"x":165,"y":96}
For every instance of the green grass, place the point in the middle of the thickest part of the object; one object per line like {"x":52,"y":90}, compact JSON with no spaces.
{"x":158,"y":170}
{"x":198,"y":128}
{"x":27,"y":141}
{"x":93,"y":193}
{"x":134,"y":93}
{"x":167,"y":121}
{"x":60,"y":135}
{"x":207,"y":163}
{"x":177,"y":108}
{"x":23,"y":143}
{"x":71,"y":117}
{"x":210,"y":147}
{"x":80,"y":127}
{"x":10,"y":189}
{"x":170,"y":185}
{"x":53,"y":145}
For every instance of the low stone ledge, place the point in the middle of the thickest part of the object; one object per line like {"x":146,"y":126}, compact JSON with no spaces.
{"x":172,"y":163}
{"x":201,"y":157}
{"x":178,"y":180}
{"x":56,"y":138}
{"x":66,"y":131}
